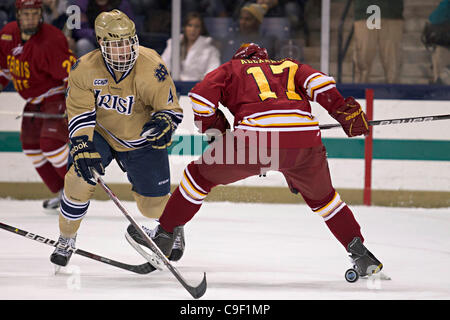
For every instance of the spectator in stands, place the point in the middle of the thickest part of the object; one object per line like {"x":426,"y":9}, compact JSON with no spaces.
{"x":207,"y":8}
{"x":55,"y":12}
{"x":7,"y":12}
{"x":274,"y":8}
{"x":293,"y":11}
{"x":250,"y":19}
{"x":3,"y":18}
{"x":198,"y":54}
{"x":386,"y":39}
{"x":436,"y":38}
{"x":90,"y":9}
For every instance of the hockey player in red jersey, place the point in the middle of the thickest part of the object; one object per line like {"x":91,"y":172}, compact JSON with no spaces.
{"x":36,"y":58}
{"x":270,"y":101}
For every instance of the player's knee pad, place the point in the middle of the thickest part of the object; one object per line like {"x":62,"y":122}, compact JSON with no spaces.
{"x":151,"y":207}
{"x":76,"y":196}
{"x":328,"y":207}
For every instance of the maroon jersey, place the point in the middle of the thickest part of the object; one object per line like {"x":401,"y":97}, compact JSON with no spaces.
{"x":39,"y":67}
{"x":267,"y":96}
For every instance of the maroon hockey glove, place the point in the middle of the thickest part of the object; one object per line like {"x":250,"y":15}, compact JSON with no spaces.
{"x":221,"y":123}
{"x":351,"y":117}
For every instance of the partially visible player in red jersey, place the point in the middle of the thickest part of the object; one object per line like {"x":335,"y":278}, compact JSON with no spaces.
{"x":36,"y":58}
{"x":270,"y":101}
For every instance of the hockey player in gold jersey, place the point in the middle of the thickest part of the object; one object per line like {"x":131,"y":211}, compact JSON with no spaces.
{"x":122,"y":105}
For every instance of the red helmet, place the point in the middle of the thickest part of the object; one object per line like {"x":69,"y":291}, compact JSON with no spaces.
{"x":29,"y":4}
{"x":251,"y":51}
{"x":24,"y":4}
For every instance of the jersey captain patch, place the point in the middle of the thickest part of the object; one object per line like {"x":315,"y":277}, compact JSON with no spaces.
{"x":161,"y":73}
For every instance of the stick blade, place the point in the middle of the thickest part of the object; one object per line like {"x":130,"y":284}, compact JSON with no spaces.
{"x":198,"y":291}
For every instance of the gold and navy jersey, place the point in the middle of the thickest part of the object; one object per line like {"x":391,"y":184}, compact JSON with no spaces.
{"x":118,"y":105}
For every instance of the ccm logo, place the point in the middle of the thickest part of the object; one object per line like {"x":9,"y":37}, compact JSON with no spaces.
{"x":100,"y":82}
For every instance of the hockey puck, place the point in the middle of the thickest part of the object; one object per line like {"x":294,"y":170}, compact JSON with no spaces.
{"x":351,"y":275}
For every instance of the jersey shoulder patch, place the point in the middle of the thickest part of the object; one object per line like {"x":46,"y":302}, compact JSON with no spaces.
{"x":161,"y":72}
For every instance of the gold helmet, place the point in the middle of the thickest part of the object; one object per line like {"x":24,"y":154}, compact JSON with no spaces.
{"x":116,"y":35}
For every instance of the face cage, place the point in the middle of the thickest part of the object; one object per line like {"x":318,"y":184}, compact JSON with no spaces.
{"x":120,"y":55}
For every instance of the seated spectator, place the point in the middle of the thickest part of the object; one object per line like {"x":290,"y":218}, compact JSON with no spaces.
{"x":250,"y":19}
{"x":198,"y":55}
{"x":90,"y":9}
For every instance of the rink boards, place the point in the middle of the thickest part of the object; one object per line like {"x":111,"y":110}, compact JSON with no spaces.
{"x":411,"y":163}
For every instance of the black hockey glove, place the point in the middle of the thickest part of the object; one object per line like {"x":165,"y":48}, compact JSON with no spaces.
{"x":85,"y":158}
{"x":158,"y":131}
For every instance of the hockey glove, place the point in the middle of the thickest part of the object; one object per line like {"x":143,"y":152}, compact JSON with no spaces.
{"x":352,"y":118}
{"x":158,"y":131}
{"x":221,"y":123}
{"x":85,"y":158}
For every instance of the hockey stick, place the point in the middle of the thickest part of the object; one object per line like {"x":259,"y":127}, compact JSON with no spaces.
{"x":40,"y":115}
{"x":197,"y":291}
{"x":394,"y":121}
{"x":140,"y":269}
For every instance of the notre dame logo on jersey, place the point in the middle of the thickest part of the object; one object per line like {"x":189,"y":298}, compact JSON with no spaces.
{"x":161,"y":73}
{"x":114,"y":102}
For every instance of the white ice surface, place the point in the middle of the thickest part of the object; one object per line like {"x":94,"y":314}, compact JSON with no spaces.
{"x":248,"y":251}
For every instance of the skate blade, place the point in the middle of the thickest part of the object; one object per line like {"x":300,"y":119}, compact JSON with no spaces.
{"x":50,"y":212}
{"x":150,"y":257}
{"x":380,"y":275}
{"x":57,"y":270}
{"x":384,"y":276}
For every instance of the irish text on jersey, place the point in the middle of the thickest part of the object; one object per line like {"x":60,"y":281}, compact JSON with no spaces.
{"x":114,"y":102}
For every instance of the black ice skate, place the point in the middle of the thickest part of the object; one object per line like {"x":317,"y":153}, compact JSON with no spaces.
{"x":62,"y":253}
{"x":178,"y":245}
{"x":171,"y":244}
{"x":52,"y":205}
{"x":365,"y":263}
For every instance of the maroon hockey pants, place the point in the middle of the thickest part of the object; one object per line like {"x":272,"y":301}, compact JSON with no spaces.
{"x":306,"y":172}
{"x":44,"y":141}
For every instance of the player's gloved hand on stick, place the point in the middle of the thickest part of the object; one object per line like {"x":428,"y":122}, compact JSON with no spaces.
{"x":352,"y":118}
{"x":221,"y":124}
{"x":85,"y":158}
{"x":158,"y":131}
